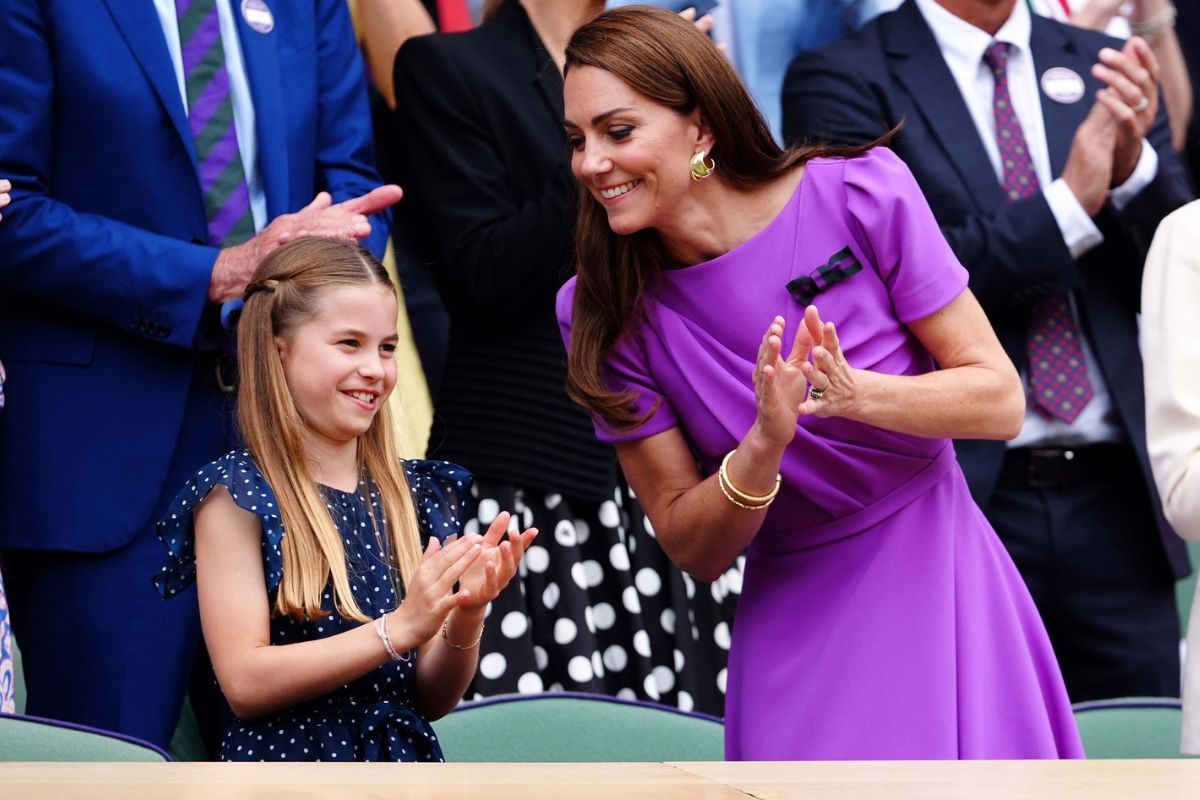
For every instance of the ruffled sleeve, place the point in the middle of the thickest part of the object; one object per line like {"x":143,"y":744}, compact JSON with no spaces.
{"x":249,"y":490}
{"x":441,"y":492}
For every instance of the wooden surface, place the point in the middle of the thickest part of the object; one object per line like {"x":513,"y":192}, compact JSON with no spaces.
{"x":1007,"y":780}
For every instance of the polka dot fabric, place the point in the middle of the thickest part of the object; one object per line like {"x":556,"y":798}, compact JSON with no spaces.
{"x":598,"y":607}
{"x":369,"y":719}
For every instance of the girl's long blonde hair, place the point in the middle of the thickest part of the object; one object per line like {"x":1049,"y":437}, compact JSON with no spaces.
{"x":282,"y":295}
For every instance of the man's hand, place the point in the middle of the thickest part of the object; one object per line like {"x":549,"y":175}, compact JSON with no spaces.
{"x":1131,"y":75}
{"x":1089,"y":167}
{"x":347,"y":221}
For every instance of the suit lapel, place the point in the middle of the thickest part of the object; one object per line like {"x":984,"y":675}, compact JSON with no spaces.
{"x":143,"y":33}
{"x":260,"y":53}
{"x":917,"y":63}
{"x":1051,"y":47}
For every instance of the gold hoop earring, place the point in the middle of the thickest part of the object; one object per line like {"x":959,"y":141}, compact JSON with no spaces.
{"x":701,"y":170}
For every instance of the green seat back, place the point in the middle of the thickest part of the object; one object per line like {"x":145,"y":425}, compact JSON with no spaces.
{"x":33,"y":739}
{"x":1132,"y":727}
{"x":577,"y":727}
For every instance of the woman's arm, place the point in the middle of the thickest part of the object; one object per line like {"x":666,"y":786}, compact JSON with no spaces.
{"x":1171,"y":360}
{"x":699,"y":529}
{"x":975,"y":394}
{"x":383,"y":26}
{"x":259,"y":678}
{"x":696,"y":523}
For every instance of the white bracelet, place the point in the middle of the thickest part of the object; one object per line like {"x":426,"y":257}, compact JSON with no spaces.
{"x":382,"y":630}
{"x":1160,"y":21}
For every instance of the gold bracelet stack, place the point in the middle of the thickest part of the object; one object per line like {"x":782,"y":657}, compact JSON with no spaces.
{"x":739,"y":498}
{"x":446,"y":637}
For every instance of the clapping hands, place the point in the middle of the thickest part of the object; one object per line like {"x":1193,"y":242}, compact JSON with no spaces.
{"x":814,"y":379}
{"x":497,"y":564}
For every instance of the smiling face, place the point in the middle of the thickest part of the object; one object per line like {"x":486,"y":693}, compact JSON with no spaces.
{"x":339,"y":363}
{"x":630,"y":152}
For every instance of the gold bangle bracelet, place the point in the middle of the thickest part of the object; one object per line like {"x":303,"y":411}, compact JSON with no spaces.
{"x":721,"y":481}
{"x":446,"y":637}
{"x":750,"y":499}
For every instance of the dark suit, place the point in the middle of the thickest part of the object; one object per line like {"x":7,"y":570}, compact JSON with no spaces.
{"x":104,"y":274}
{"x":892,"y":71}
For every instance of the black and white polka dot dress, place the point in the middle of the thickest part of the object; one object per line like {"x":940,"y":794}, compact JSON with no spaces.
{"x":369,"y":719}
{"x":598,"y":606}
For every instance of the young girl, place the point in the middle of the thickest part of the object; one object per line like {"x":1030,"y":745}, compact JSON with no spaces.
{"x":332,"y":635}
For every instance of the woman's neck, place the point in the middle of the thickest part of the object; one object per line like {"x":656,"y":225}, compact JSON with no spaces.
{"x":719,"y":217}
{"x":332,"y":463}
{"x":556,"y":20}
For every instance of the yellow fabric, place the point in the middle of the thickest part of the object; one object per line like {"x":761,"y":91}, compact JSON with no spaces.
{"x":411,"y":406}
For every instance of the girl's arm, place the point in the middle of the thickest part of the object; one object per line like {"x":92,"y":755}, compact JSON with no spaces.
{"x":258,"y":678}
{"x":446,"y":664}
{"x":975,"y":394}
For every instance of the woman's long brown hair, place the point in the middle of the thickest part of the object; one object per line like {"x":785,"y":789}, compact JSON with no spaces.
{"x":662,"y":56}
{"x":283,"y":294}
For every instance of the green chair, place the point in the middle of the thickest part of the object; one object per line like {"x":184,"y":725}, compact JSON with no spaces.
{"x":570,"y":726}
{"x":25,"y":738}
{"x":1130,"y":727}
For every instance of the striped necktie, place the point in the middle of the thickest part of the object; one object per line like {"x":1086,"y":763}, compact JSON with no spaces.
{"x":210,"y":116}
{"x":1059,"y":386}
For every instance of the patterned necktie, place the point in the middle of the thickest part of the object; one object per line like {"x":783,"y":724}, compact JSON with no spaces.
{"x":210,"y":115}
{"x":1059,"y":387}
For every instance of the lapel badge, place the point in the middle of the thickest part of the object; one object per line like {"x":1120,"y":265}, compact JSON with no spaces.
{"x":258,"y":16}
{"x":1062,"y":85}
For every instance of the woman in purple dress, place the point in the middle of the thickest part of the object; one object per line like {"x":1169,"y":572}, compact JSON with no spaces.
{"x":880,"y":616}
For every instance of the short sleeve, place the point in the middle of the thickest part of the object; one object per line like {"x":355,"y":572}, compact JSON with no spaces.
{"x":624,"y":369}
{"x":237,"y":472}
{"x":900,"y":236}
{"x":441,"y":492}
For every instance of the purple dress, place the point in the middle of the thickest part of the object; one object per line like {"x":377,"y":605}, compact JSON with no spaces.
{"x":880,"y":616}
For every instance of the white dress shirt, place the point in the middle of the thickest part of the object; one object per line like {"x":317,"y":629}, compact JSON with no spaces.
{"x":963,"y":45}
{"x":1171,"y":354}
{"x":239,"y":92}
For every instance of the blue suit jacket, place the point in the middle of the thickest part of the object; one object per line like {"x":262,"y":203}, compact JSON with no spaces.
{"x":103,"y":270}
{"x":891,"y":71}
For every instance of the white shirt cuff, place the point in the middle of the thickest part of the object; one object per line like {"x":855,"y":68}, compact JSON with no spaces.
{"x":1079,"y":233}
{"x":1145,"y":171}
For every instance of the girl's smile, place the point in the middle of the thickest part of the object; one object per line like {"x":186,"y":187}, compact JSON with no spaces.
{"x":339,"y":364}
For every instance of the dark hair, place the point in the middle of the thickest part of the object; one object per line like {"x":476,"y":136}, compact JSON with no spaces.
{"x":664,"y":57}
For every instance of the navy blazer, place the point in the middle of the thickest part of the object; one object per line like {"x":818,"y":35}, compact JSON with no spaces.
{"x":103,"y":267}
{"x":892,"y":71}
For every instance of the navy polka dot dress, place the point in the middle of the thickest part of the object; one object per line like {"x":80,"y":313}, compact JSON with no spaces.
{"x":369,"y":719}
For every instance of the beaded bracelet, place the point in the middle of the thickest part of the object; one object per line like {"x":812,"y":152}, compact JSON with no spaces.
{"x":749,"y":502}
{"x":1161,"y":21}
{"x":382,"y":629}
{"x":446,"y":637}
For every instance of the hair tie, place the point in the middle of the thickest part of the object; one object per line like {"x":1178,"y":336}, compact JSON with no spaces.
{"x":266,"y":285}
